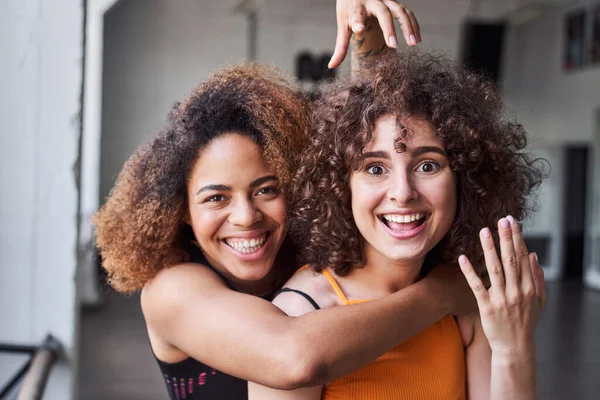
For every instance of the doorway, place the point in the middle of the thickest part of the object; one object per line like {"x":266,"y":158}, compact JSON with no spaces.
{"x":592,"y":254}
{"x":574,"y":210}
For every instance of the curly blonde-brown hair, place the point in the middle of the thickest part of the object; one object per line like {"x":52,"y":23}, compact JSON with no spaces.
{"x":495,"y":175}
{"x":141,"y":229}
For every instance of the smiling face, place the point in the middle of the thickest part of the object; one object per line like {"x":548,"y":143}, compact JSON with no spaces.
{"x":403,"y":203}
{"x":236,"y":210}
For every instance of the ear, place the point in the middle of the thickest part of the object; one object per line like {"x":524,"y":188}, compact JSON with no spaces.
{"x":186,"y":217}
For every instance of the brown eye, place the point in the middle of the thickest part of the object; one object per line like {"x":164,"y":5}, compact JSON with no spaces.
{"x":428,"y":167}
{"x":214,"y":199}
{"x":375,"y":170}
{"x":269,"y":190}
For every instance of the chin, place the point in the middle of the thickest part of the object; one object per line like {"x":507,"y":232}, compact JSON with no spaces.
{"x":405,"y":255}
{"x":252,"y":273}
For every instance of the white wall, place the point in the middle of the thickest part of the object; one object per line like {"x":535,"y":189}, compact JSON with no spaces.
{"x":40,"y":77}
{"x":549,"y":219}
{"x":557,"y":107}
{"x":155,"y":51}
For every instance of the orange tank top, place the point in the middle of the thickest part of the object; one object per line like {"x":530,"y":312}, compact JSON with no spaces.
{"x":428,"y":366}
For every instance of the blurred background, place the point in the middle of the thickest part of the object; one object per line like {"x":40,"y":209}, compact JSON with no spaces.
{"x":83,"y":83}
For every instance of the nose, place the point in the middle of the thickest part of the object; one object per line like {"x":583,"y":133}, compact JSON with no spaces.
{"x":402,"y":189}
{"x":245,"y":214}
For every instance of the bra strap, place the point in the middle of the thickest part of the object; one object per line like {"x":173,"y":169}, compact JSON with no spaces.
{"x":306,"y":296}
{"x":335,"y":286}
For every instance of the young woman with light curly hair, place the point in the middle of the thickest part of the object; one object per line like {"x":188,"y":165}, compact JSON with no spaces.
{"x":197,"y":221}
{"x":407,"y":163}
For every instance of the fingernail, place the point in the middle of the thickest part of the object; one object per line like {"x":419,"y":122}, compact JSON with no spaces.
{"x":536,"y":257}
{"x":462,"y":260}
{"x":485,"y":232}
{"x":413,"y":40}
{"x":358,"y":28}
{"x":511,"y":219}
{"x":393,"y":41}
{"x":504,"y":223}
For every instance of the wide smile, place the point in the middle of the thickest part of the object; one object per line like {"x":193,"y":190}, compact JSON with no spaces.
{"x":404,"y":226}
{"x":248,"y":248}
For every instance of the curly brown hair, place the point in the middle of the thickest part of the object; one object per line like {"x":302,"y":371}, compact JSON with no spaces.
{"x":141,"y":228}
{"x":494,"y":175}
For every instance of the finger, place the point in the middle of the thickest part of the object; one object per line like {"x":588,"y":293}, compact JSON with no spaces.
{"x":475,"y":283}
{"x":357,"y":18}
{"x":415,"y":25}
{"x":400,"y":13}
{"x":538,"y":278}
{"x":492,"y":263}
{"x":386,"y":21}
{"x":527,"y":283}
{"x":510,"y":261}
{"x":341,"y":46}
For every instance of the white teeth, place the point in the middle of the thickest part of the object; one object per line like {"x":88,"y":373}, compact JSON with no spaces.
{"x":247,"y":246}
{"x":403,"y":218}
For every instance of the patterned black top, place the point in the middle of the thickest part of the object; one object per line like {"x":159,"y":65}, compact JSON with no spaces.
{"x":191,"y":380}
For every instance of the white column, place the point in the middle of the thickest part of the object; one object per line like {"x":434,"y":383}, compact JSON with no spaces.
{"x":90,"y":158}
{"x":40,"y":77}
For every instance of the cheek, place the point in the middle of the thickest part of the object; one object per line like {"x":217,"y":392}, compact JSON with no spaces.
{"x":277,"y":210}
{"x":365,"y":198}
{"x":205,"y":223}
{"x":445,"y":198}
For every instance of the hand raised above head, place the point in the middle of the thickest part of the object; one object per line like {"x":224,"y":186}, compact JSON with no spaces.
{"x":352,"y":15}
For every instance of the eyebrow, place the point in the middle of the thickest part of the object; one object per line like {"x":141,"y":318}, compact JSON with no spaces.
{"x":225,"y":188}
{"x":415,"y":153}
{"x":213,"y":187}
{"x":375,"y":154}
{"x":427,"y":149}
{"x":262,"y":180}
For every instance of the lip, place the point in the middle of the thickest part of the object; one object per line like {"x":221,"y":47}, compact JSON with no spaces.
{"x":252,"y":256}
{"x":404,"y":234}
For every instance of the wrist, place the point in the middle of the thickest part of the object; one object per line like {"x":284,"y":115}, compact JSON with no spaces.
{"x":519,"y":354}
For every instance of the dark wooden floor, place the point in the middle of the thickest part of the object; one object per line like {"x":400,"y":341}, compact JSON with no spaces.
{"x":116,"y":362}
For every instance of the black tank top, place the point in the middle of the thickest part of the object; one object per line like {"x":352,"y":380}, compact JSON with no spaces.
{"x":191,"y":380}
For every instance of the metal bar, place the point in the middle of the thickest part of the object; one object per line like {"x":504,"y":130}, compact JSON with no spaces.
{"x":11,"y":384}
{"x":37,"y":376}
{"x":17,"y":348}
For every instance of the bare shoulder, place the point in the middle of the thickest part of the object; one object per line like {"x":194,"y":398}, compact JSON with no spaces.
{"x":174,"y":287}
{"x":467,"y":325}
{"x":311,"y":283}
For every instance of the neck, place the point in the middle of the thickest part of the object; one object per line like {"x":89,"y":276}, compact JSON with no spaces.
{"x":385,"y":275}
{"x":259,"y":288}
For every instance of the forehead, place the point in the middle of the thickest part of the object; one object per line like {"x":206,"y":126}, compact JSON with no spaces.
{"x":416,"y":132}
{"x":229,"y":156}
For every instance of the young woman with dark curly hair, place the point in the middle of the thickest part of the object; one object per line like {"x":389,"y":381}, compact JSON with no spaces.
{"x":406,"y":164}
{"x":197,"y":222}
